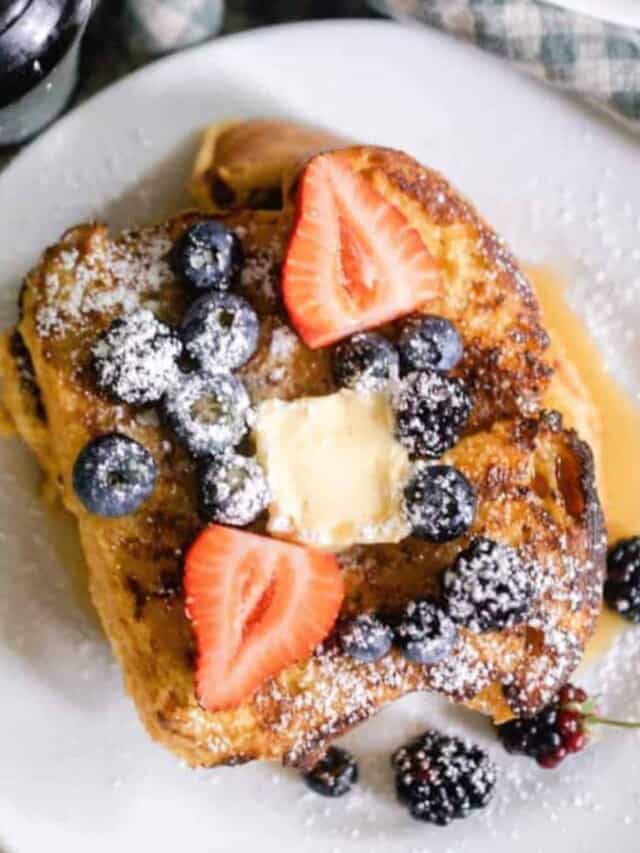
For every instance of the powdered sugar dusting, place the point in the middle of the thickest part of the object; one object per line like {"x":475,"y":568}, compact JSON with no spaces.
{"x":136,"y":359}
{"x":490,"y":586}
{"x":284,"y":342}
{"x":112,"y":276}
{"x":260,"y":272}
{"x":208,"y":413}
{"x":233,"y":489}
{"x":431,"y":411}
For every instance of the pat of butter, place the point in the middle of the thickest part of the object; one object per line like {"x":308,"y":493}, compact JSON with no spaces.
{"x":334,"y":468}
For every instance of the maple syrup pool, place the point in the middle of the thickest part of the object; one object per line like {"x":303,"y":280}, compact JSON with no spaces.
{"x":619,"y":462}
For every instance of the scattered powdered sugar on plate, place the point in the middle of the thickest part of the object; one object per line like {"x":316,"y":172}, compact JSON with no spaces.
{"x":576,"y":790}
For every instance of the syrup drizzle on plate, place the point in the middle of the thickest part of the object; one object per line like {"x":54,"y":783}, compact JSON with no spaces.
{"x":619,"y":463}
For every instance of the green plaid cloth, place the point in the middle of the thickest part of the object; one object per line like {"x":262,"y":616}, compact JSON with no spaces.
{"x":593,"y":60}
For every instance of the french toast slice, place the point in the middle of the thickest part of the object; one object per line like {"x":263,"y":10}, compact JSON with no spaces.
{"x":534,"y":480}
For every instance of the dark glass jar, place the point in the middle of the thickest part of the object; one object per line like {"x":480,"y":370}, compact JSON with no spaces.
{"x":38,"y":62}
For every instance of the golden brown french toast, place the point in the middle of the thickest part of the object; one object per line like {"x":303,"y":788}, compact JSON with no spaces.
{"x":534,"y":480}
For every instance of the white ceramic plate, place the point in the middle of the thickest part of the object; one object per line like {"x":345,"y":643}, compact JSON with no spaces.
{"x":77,"y":771}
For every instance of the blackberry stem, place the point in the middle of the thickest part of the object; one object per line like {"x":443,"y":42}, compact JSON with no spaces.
{"x":606,"y":721}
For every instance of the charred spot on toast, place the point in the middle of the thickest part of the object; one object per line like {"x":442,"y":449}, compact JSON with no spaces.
{"x":240,"y":759}
{"x":593,"y":519}
{"x":265,"y":198}
{"x":223,"y":195}
{"x":569,"y":476}
{"x":138,"y":594}
{"x":169,"y":585}
{"x":21,"y":298}
{"x":24,"y":364}
{"x":167,"y":588}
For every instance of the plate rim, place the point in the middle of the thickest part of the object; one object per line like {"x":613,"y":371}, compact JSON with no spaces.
{"x":218,"y":43}
{"x":70,"y":118}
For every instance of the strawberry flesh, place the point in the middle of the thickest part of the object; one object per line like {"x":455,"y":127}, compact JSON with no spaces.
{"x":257,"y":605}
{"x":354,"y":261}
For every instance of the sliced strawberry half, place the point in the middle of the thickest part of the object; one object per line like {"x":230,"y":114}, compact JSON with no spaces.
{"x":353,"y":261}
{"x":257,"y":605}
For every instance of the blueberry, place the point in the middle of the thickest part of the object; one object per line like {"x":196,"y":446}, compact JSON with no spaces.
{"x":440,"y":502}
{"x":208,"y":413}
{"x":220,"y":332}
{"x":208,"y":255}
{"x":365,"y":362}
{"x":113,"y":475}
{"x":334,"y":775}
{"x":135,"y":360}
{"x":233,"y":490}
{"x":365,"y":638}
{"x":431,"y":411}
{"x":424,"y":632}
{"x":429,"y":343}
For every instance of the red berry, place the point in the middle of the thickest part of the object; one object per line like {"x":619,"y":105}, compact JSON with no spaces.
{"x":565,"y":695}
{"x":257,"y":605}
{"x":565,"y":721}
{"x":568,"y":723}
{"x":350,"y":244}
{"x":569,"y":694}
{"x":575,"y":742}
{"x":552,"y":759}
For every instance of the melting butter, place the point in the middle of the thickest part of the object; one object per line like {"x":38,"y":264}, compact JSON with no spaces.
{"x":334,"y":468}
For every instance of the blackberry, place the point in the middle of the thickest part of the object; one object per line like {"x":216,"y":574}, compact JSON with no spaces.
{"x":429,"y":343}
{"x":209,"y":414}
{"x":334,"y":775}
{"x":136,"y":359}
{"x":208,"y":255}
{"x":440,"y":502}
{"x":113,"y":475}
{"x":622,"y":586}
{"x":490,"y":586}
{"x":233,"y":490}
{"x":536,"y":737}
{"x":424,"y":633}
{"x":440,"y":778}
{"x":365,"y":362}
{"x":431,"y":412}
{"x":365,"y":638}
{"x":220,"y":332}
{"x":560,"y":729}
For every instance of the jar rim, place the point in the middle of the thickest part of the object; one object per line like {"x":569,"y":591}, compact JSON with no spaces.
{"x":38,"y":34}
